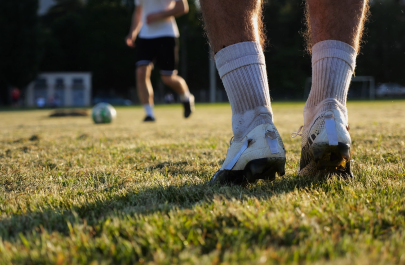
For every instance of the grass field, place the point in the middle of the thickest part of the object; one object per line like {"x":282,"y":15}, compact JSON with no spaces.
{"x":125,"y":193}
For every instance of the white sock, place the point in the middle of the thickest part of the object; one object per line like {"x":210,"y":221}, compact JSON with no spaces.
{"x":149,"y":110}
{"x":242,"y":68}
{"x":185,"y":97}
{"x":333,"y":64}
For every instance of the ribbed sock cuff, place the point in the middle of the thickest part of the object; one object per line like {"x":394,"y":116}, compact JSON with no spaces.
{"x":334,"y":49}
{"x":239,"y":55}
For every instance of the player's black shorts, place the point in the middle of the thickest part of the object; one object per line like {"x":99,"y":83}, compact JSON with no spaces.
{"x":161,"y":52}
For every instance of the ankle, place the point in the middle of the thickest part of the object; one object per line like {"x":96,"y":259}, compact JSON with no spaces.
{"x":312,"y":112}
{"x":149,"y":110}
{"x":243,"y":123}
{"x":185,"y":97}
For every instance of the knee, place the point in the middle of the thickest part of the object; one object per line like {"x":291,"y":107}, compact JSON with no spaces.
{"x":142,"y":72}
{"x":167,"y":79}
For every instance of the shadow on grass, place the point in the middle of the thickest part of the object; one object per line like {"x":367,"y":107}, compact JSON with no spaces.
{"x":179,"y":168}
{"x":144,"y":202}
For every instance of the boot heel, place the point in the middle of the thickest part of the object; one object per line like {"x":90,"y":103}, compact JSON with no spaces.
{"x":264,"y":168}
{"x":333,"y":158}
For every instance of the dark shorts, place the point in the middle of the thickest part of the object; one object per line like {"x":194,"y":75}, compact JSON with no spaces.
{"x":161,"y":52}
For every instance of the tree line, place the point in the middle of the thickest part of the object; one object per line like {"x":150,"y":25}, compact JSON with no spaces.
{"x":89,"y":36}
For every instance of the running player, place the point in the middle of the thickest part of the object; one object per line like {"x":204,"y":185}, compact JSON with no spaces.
{"x":234,"y":29}
{"x":154,"y":24}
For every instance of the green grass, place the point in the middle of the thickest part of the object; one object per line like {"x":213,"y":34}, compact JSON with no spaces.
{"x":130,"y":193}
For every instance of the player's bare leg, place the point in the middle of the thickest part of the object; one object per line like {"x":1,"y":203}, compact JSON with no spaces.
{"x":145,"y":90}
{"x":179,"y":85}
{"x":335,"y":29}
{"x":234,"y":30}
{"x":229,"y":22}
{"x":337,"y":20}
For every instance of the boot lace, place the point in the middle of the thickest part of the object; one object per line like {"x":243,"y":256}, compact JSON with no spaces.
{"x":298,"y":133}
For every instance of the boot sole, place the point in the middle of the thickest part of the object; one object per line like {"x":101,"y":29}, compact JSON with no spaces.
{"x":332,"y":158}
{"x":188,"y":112}
{"x":263,"y":168}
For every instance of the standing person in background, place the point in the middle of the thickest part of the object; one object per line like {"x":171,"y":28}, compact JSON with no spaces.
{"x":15,"y":96}
{"x":154,"y":24}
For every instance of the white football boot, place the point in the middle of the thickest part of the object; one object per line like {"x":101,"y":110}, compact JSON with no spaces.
{"x":259,"y":155}
{"x":326,"y":141}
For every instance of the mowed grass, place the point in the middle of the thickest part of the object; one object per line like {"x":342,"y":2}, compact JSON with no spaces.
{"x":72,"y":192}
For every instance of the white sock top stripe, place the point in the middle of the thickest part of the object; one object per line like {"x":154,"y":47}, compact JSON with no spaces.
{"x":340,"y":45}
{"x":236,"y":51}
{"x":240,"y":62}
{"x":334,"y":49}
{"x":335,"y":53}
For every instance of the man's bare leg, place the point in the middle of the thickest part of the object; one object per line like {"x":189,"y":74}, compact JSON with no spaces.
{"x":179,"y":85}
{"x":334,"y":40}
{"x":145,"y":89}
{"x":341,"y":20}
{"x":335,"y":31}
{"x":229,"y":22}
{"x":234,"y":29}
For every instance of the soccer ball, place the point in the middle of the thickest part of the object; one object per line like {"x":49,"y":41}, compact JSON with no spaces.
{"x":103,"y":113}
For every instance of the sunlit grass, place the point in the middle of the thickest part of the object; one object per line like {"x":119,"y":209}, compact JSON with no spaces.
{"x":130,"y":192}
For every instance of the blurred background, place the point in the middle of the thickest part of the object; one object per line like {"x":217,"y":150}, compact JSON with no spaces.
{"x":72,"y":53}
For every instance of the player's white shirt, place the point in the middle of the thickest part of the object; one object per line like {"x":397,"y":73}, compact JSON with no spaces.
{"x":164,"y":28}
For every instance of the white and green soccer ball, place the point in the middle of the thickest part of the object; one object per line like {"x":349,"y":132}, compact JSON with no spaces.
{"x":103,"y":113}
